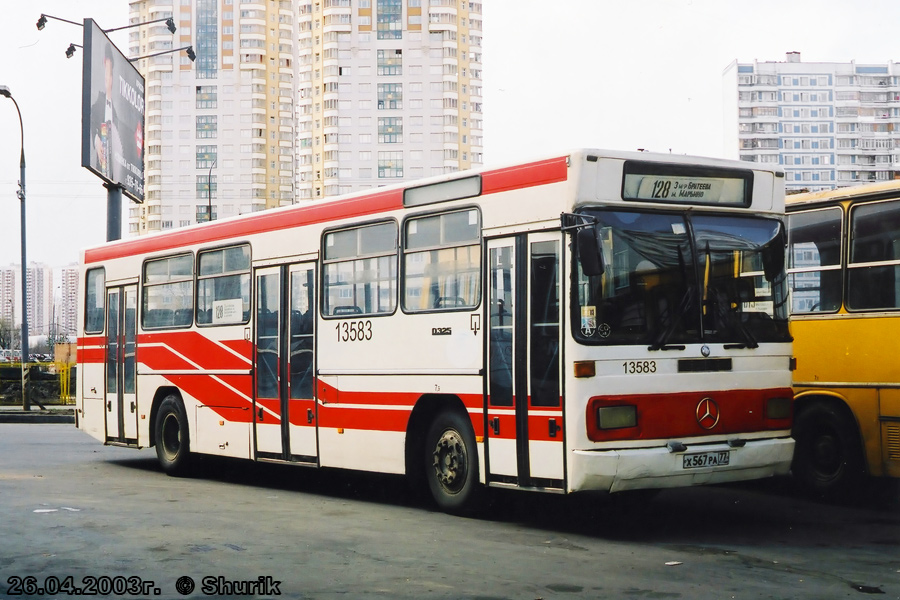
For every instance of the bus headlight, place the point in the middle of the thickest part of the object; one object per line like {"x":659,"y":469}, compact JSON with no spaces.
{"x":778,"y":408}
{"x":616,"y":417}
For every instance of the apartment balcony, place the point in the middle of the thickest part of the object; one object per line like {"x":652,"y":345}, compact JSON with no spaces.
{"x":337,"y":9}
{"x":759,"y":118}
{"x":847,"y":134}
{"x":871,"y":83}
{"x":751,"y":104}
{"x":259,"y":20}
{"x":757,"y":130}
{"x":160,"y":6}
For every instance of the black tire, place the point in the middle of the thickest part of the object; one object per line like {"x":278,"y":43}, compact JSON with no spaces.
{"x":451,"y":463}
{"x":173,"y":446}
{"x":828,"y":456}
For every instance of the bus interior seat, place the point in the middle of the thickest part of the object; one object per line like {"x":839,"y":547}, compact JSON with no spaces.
{"x":183,"y":316}
{"x":158,"y":317}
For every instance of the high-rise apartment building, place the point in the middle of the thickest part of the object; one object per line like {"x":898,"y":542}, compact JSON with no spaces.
{"x":300,"y":100}
{"x":46,"y":312}
{"x":40,"y":292}
{"x":388,"y":90}
{"x":220,"y":131}
{"x":67,"y":308}
{"x":9,"y":297}
{"x":828,"y":124}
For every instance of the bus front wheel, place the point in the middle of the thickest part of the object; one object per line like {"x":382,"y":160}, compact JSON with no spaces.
{"x":828,"y":459}
{"x":451,"y":463}
{"x":172,"y":442}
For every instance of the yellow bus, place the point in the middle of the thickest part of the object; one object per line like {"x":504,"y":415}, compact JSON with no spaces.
{"x":844,"y":274}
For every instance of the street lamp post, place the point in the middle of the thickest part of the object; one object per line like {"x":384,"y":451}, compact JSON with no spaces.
{"x":26,"y":405}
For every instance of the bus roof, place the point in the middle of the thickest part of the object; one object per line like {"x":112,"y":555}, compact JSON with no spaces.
{"x":882,"y":189}
{"x":360,"y":204}
{"x":365,"y":203}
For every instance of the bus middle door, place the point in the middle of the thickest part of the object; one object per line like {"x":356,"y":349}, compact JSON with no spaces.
{"x":284,"y":365}
{"x":525,"y":441}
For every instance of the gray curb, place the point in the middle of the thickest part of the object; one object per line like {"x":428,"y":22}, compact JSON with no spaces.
{"x":55,"y":415}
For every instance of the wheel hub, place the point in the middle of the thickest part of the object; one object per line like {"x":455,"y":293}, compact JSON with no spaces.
{"x":826,"y":454}
{"x":450,"y":461}
{"x":171,"y":435}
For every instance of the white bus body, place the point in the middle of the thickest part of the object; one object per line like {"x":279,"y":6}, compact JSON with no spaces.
{"x":594,"y":321}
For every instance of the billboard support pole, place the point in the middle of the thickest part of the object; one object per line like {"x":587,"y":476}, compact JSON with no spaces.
{"x":113,"y":212}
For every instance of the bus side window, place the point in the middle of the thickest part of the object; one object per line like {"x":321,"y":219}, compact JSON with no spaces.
{"x":223,"y":286}
{"x":168,"y":292}
{"x":874,"y":285}
{"x":360,"y":271}
{"x":95,"y":296}
{"x":442,"y":259}
{"x":814,"y":255}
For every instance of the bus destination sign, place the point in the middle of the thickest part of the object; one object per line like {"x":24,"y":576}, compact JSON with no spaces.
{"x":686,"y":184}
{"x":703,"y":190}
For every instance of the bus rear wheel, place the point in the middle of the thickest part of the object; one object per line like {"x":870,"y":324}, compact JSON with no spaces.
{"x":173,"y":446}
{"x":451,"y":463}
{"x":828,"y":459}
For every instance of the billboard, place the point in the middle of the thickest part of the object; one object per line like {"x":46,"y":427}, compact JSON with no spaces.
{"x":112,"y":114}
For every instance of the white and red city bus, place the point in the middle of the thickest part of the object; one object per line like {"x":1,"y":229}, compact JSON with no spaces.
{"x":595,"y":321}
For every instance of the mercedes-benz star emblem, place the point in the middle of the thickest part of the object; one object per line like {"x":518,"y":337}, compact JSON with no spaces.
{"x":707,"y":413}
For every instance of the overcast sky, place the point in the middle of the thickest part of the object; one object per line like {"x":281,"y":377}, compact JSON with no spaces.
{"x":560,"y":74}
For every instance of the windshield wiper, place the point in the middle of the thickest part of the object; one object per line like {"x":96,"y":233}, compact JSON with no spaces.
{"x":749,"y":340}
{"x":683,"y":307}
{"x":726,"y":316}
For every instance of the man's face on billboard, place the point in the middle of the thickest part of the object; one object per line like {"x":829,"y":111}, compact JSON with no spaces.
{"x":108,"y":68}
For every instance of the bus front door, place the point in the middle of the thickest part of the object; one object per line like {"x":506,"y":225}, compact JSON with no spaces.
{"x":121,"y":399}
{"x":284,"y":365}
{"x":524,"y":438}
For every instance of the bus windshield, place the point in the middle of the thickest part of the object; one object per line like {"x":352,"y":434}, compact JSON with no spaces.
{"x":666,"y":279}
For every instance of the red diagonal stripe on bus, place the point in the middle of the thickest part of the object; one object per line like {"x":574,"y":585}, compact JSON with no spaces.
{"x":242,"y":347}
{"x":215,"y":394}
{"x":193,"y":345}
{"x":272,"y":412}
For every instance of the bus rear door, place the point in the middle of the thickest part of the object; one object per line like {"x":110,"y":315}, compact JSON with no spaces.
{"x":121,"y":399}
{"x":524,"y":438}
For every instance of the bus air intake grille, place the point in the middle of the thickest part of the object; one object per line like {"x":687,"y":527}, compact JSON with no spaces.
{"x":893,"y":441}
{"x":703,"y":365}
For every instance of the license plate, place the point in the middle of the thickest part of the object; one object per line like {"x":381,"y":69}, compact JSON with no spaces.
{"x":706,"y":459}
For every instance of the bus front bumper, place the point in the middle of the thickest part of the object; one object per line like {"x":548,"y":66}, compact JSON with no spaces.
{"x":659,"y":467}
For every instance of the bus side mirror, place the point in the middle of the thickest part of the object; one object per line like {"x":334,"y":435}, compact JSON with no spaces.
{"x":774,"y":256}
{"x":589,"y":251}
